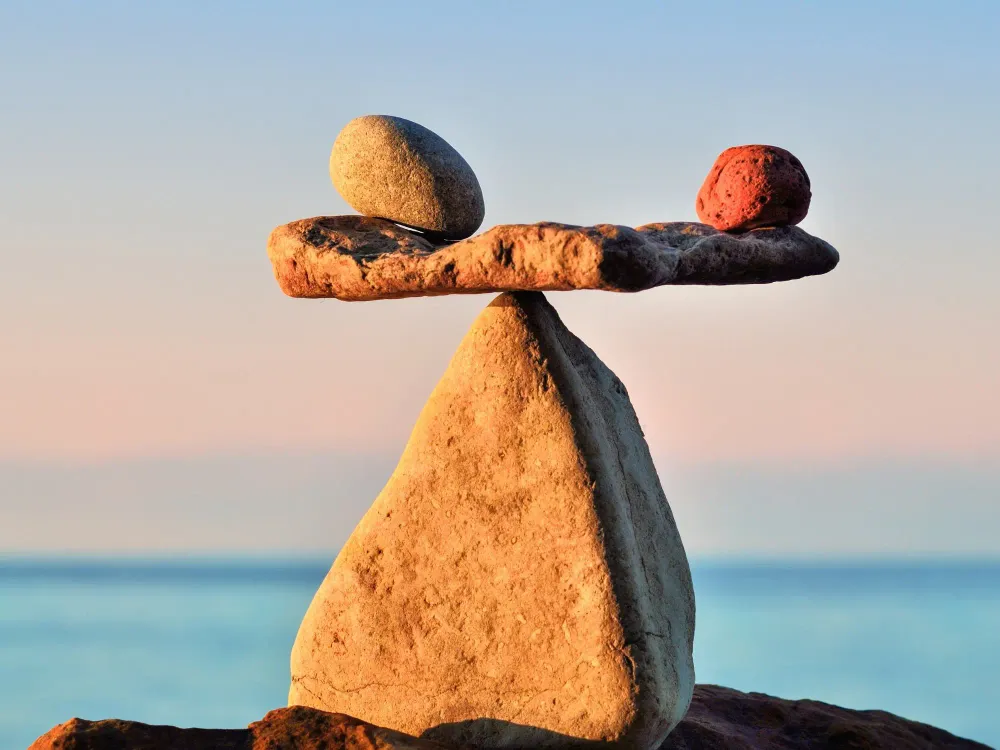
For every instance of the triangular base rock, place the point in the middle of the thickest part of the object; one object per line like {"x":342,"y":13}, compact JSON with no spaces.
{"x":520,"y":580}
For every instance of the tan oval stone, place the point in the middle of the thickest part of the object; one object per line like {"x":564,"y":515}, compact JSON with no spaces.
{"x":395,"y":169}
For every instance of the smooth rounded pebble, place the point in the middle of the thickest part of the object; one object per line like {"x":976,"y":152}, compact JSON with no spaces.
{"x":395,"y":169}
{"x":754,"y":186}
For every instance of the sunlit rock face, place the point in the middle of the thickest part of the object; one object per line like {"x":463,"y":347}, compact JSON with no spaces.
{"x":520,"y":580}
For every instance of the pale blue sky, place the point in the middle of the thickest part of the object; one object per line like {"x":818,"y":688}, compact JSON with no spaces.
{"x":147,"y":149}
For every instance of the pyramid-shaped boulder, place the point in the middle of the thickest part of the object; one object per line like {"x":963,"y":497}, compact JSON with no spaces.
{"x":520,"y":580}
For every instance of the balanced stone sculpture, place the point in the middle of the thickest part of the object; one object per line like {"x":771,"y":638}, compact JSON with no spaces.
{"x":520,"y":580}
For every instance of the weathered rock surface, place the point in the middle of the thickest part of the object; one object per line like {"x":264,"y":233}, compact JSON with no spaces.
{"x":359,"y":258}
{"x":725,"y":719}
{"x":396,"y":169}
{"x":115,"y":734}
{"x":754,"y":186}
{"x":719,"y":719}
{"x":520,"y":580}
{"x":294,"y":728}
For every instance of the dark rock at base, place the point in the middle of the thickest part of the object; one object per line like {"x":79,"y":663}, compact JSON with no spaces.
{"x":115,"y":734}
{"x":301,"y":728}
{"x":719,"y":719}
{"x":293,"y":728}
{"x":723,"y":719}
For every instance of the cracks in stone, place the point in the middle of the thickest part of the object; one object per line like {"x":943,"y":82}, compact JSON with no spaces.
{"x":528,"y":702}
{"x":519,"y":695}
{"x":300,"y":681}
{"x":626,"y":653}
{"x":504,"y":254}
{"x":628,"y":498}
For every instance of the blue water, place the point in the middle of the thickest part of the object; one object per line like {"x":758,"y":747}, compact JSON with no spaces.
{"x":206,"y":643}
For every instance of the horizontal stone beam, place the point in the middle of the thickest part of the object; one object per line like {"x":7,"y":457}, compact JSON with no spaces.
{"x":356,"y":258}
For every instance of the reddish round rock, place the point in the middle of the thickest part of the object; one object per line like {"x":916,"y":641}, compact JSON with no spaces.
{"x":754,"y":186}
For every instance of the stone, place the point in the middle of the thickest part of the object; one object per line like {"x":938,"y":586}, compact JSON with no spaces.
{"x":300,"y":728}
{"x":294,"y":728}
{"x":115,"y":734}
{"x":725,"y":719}
{"x":719,"y":719}
{"x":754,"y":186}
{"x":520,"y":580}
{"x":398,"y":170}
{"x":357,"y":258}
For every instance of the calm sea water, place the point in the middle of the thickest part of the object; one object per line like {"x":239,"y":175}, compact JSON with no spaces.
{"x":206,"y":643}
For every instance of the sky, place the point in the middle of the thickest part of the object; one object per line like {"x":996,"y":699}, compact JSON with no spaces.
{"x":147,"y":356}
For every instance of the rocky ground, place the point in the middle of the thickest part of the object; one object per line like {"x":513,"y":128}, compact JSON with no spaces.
{"x":719,"y":719}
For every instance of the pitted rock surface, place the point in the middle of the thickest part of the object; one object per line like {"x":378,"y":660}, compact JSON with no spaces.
{"x":292,"y":728}
{"x":724,"y":719}
{"x":520,"y":580}
{"x":754,"y":186}
{"x":360,"y":258}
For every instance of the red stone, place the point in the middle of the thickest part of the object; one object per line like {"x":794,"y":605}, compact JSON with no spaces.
{"x":754,"y":186}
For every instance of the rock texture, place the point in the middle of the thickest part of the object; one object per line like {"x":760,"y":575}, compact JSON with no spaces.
{"x":114,"y":734}
{"x":754,"y":186}
{"x":358,"y":258}
{"x":301,"y":728}
{"x":724,"y":719}
{"x":396,"y":169}
{"x":719,"y":719}
{"x":295,"y":728}
{"x":520,"y":580}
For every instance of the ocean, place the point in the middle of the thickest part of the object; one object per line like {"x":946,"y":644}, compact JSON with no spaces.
{"x":206,"y":642}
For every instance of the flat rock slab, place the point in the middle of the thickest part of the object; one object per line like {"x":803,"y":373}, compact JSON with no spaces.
{"x":719,"y":719}
{"x":359,"y":258}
